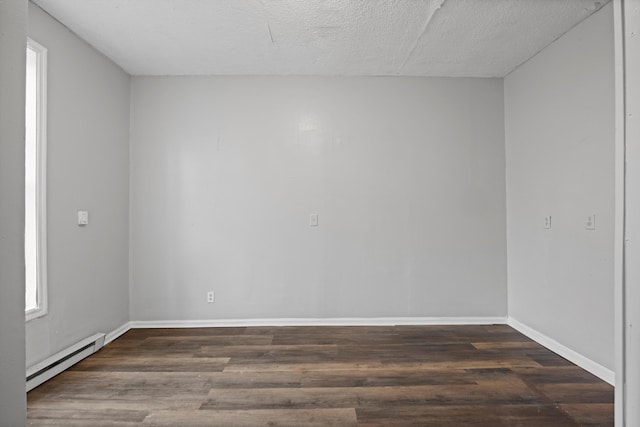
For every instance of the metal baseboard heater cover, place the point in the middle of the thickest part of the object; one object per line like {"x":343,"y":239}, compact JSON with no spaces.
{"x":52,"y":366}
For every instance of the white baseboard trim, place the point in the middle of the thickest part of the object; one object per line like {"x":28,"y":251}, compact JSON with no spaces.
{"x":339,"y":321}
{"x":585,"y":363}
{"x":117,"y":332}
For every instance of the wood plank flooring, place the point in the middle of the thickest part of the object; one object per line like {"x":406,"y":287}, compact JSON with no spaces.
{"x":323,"y":376}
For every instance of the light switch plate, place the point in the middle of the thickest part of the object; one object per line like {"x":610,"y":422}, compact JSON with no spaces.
{"x":313,"y":220}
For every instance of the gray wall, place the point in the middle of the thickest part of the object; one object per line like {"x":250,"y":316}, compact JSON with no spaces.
{"x":406,"y":174}
{"x":13,"y":25}
{"x":88,"y":161}
{"x":559,"y":120}
{"x":632,"y":278}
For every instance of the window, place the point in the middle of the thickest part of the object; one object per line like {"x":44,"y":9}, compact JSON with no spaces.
{"x":35,"y":245}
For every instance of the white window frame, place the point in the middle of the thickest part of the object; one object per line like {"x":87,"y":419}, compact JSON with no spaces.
{"x":41,"y":182}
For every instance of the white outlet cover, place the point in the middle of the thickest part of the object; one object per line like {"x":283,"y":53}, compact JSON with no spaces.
{"x":547,"y":222}
{"x":590,"y":223}
{"x":83,"y":217}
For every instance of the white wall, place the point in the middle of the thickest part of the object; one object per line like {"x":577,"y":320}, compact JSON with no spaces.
{"x":13,"y":27}
{"x":559,"y":121}
{"x":88,"y":161}
{"x":406,"y":174}
{"x":632,"y":236}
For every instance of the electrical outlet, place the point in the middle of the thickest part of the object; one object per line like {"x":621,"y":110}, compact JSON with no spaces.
{"x":547,"y":222}
{"x":210,"y":296}
{"x":590,"y":223}
{"x":83,"y":218}
{"x":313,"y":220}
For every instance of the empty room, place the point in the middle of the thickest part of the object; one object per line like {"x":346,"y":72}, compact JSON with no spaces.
{"x":316,"y":213}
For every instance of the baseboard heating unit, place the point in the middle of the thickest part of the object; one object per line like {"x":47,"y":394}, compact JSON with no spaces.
{"x":52,"y":366}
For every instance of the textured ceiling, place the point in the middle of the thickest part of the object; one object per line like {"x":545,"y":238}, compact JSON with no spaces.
{"x":479,"y":38}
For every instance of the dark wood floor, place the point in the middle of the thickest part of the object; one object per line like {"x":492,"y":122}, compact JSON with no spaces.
{"x":324,"y":376}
